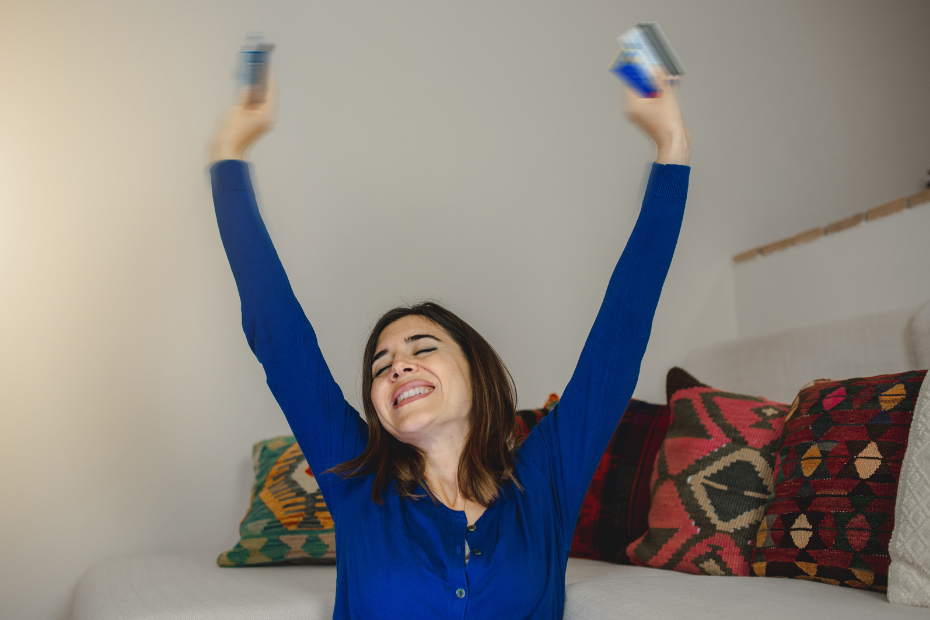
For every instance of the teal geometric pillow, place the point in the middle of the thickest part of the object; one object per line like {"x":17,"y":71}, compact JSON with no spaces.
{"x":287,"y":521}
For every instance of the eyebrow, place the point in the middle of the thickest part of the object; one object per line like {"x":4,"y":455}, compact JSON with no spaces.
{"x":414,"y":338}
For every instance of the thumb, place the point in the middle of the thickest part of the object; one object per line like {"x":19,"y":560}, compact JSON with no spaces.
{"x":663,"y":80}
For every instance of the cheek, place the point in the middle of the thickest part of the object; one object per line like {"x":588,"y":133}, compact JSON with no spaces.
{"x":377,"y":394}
{"x":464,"y":380}
{"x":377,"y":398}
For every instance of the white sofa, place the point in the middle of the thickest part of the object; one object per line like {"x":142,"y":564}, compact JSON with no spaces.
{"x":190,"y":586}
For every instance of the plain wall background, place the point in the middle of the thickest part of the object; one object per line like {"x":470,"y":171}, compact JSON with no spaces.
{"x":878,"y":266}
{"x":470,"y":152}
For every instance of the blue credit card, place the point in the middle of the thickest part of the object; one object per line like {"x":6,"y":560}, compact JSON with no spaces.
{"x":642,"y":48}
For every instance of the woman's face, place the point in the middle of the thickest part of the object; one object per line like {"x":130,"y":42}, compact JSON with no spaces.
{"x":421,"y":384}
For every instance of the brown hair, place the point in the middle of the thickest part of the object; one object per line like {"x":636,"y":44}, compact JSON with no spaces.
{"x":488,"y":456}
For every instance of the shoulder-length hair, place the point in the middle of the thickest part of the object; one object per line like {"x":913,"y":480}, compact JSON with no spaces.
{"x":487,"y":460}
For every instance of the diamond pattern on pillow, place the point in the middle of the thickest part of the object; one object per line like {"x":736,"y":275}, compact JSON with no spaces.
{"x":831,"y":513}
{"x":287,"y":521}
{"x":712,"y":477}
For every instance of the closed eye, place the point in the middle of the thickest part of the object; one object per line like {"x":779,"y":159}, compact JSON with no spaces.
{"x":381,"y":370}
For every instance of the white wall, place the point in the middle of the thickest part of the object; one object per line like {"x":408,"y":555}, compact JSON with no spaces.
{"x":471,"y":152}
{"x":877,"y":266}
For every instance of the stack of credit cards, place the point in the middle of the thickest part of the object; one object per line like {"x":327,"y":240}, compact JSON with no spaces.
{"x":642,"y":48}
{"x":253,"y":67}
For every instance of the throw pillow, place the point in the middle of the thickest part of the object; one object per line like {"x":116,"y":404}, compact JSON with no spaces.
{"x":287,"y":521}
{"x":831,"y":513}
{"x":909,"y":549}
{"x":528,"y":418}
{"x":711,"y":480}
{"x":616,"y":504}
{"x":615,"y":509}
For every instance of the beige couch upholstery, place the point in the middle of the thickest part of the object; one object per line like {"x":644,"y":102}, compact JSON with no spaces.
{"x":190,"y":586}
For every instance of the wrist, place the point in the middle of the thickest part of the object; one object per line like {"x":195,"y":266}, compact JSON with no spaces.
{"x":675,"y":150}
{"x":220,"y":150}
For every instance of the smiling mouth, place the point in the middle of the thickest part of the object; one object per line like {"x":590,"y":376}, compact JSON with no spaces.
{"x":412,"y":394}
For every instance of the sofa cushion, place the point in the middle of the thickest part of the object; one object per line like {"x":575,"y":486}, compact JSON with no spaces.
{"x":287,"y":521}
{"x":190,"y":586}
{"x":776,"y":365}
{"x":640,"y":593}
{"x":920,"y":334}
{"x":712,"y":477}
{"x":909,"y":549}
{"x":831,"y":513}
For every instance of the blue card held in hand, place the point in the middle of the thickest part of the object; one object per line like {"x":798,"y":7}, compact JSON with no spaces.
{"x":642,"y":48}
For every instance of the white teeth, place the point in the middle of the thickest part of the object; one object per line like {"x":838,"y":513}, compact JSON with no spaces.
{"x":407,"y":394}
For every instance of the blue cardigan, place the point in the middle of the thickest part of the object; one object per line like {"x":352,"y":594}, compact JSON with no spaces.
{"x":406,"y":558}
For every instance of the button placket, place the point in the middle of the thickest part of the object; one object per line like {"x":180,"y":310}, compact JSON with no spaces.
{"x":473,"y":552}
{"x":458,"y":578}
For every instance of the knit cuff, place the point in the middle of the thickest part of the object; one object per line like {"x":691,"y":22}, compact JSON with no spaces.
{"x":230,"y":175}
{"x":668,"y":180}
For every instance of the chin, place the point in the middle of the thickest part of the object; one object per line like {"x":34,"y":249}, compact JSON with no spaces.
{"x":412,"y":423}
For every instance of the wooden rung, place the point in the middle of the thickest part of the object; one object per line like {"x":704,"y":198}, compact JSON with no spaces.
{"x":921,"y":198}
{"x":886,"y":209}
{"x":742,"y":257}
{"x":808,"y":235}
{"x":778,"y":246}
{"x":843,"y":224}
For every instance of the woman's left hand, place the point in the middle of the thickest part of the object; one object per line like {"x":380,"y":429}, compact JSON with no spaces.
{"x":660,"y":118}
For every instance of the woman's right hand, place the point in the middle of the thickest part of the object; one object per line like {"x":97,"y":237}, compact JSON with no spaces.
{"x":660,"y":118}
{"x":243,"y":124}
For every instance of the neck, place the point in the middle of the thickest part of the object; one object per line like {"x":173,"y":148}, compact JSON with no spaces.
{"x":442,"y":453}
{"x":441,"y":475}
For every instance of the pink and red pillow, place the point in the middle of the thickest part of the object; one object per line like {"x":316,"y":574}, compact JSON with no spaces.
{"x":712,"y":476}
{"x":831,"y":514}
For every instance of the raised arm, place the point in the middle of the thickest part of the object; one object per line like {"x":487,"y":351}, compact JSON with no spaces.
{"x":572,"y":439}
{"x":327,"y":428}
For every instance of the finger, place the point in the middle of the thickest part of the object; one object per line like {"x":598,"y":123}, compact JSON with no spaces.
{"x":271,"y":90}
{"x":664,"y":79}
{"x":242,"y":97}
{"x":628,"y":95}
{"x":659,"y":78}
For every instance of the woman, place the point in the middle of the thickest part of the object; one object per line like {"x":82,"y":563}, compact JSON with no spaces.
{"x":439,"y":511}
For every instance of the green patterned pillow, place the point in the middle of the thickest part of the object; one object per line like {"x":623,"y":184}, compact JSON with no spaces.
{"x":287,"y":521}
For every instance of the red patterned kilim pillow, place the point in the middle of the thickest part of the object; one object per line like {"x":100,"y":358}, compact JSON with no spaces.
{"x":712,"y":476}
{"x":832,"y":510}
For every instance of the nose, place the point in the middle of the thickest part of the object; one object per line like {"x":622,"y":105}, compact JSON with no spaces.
{"x":402,"y":365}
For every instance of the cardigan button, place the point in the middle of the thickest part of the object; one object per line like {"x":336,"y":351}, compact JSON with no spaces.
{"x":472,"y":528}
{"x":460,"y":593}
{"x":476,"y":551}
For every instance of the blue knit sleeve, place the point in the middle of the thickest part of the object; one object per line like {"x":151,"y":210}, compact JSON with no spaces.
{"x":568,"y":443}
{"x":327,"y":428}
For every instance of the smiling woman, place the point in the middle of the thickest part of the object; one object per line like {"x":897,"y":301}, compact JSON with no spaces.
{"x":467,"y":521}
{"x":447,"y":402}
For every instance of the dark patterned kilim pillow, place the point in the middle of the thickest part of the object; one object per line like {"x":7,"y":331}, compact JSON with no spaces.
{"x":528,"y":418}
{"x":617,"y":502}
{"x":287,"y":521}
{"x":831,"y":514}
{"x":711,"y":480}
{"x":616,"y":506}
